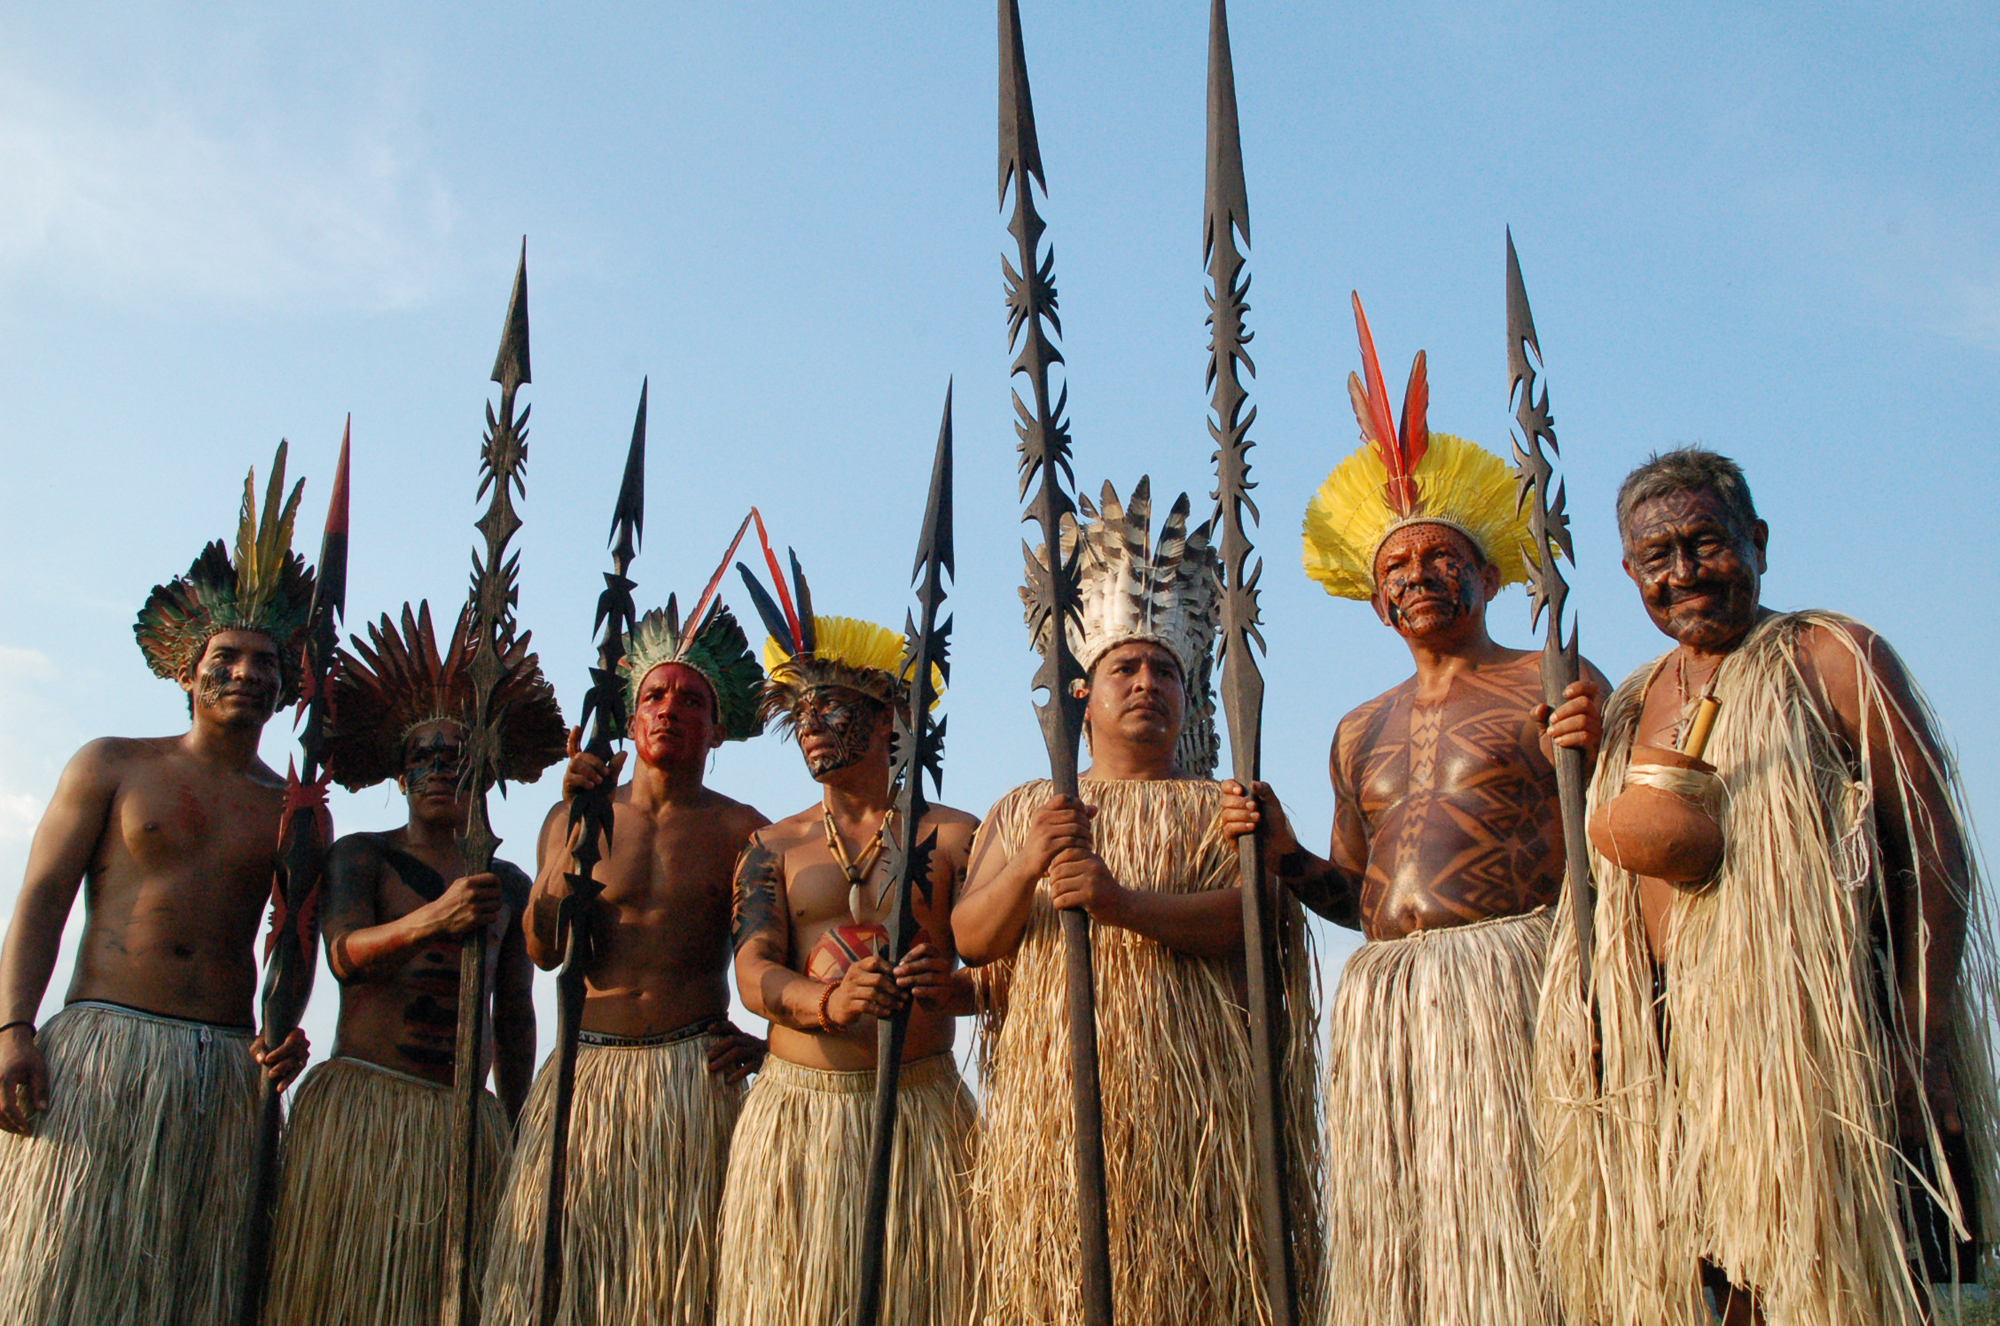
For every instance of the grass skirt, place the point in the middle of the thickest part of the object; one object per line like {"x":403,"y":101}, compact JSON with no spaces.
{"x":1429,"y":1132}
{"x":648,"y":1146}
{"x":791,"y":1215}
{"x":128,"y":1205}
{"x":1175,"y":1079}
{"x":362,"y":1211}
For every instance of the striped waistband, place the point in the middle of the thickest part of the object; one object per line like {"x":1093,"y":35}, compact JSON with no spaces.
{"x":604,"y":1040}
{"x":915,"y":1073}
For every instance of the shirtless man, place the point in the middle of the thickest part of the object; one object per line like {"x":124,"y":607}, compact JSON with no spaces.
{"x":659,"y":1067}
{"x":132,"y":1115}
{"x":366,"y":1189}
{"x":1447,"y":852}
{"x":812,"y":898}
{"x":1808,"y":1020}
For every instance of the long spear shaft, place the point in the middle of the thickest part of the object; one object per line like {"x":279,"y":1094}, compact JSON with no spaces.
{"x":590,"y":822}
{"x":1228,"y":215}
{"x":1548,"y":529}
{"x":1045,"y":467}
{"x":919,"y":747}
{"x":493,"y":595}
{"x":304,"y":835}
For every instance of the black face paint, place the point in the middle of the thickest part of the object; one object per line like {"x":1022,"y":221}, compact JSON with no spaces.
{"x":844,"y":719}
{"x":215,"y":681}
{"x":438,"y":755}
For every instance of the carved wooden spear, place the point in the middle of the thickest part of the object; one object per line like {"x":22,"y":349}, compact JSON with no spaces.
{"x":304,"y":834}
{"x":1045,"y":467}
{"x":1227,"y":216}
{"x":495,"y":590}
{"x":919,"y":749}
{"x":590,"y":817}
{"x":1548,"y":532}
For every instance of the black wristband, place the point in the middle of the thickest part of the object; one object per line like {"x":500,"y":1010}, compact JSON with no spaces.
{"x":6,"y":1027}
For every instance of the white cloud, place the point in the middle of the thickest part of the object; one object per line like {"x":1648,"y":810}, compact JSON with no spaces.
{"x":151,"y":195}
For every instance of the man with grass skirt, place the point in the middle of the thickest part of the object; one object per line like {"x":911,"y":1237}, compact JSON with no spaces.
{"x":131,"y":1118}
{"x":366,"y":1191}
{"x":1447,"y":854}
{"x":1145,"y":851}
{"x":1779,"y":1104}
{"x":658,"y":1067}
{"x":813,"y":895}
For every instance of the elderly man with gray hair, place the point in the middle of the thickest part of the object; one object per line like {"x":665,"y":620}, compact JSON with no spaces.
{"x":1777,"y":1103}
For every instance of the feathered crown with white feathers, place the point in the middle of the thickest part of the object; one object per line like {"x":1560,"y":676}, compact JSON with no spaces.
{"x":1132,"y":588}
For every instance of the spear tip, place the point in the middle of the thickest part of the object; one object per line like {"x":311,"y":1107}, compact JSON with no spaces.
{"x":631,"y":508}
{"x":1228,"y":198}
{"x":336,"y":511}
{"x":1020,"y":151}
{"x":936,"y":540}
{"x":510,"y":367}
{"x":1520,"y":318}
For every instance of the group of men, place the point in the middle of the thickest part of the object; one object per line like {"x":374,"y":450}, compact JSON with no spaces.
{"x":1773,"y":1100}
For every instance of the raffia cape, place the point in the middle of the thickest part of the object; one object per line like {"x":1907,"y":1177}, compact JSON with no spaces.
{"x":1762,"y":1136}
{"x":1174,"y":1067}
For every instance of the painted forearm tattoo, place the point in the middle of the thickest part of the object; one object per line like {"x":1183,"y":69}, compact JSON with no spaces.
{"x":755,"y":908}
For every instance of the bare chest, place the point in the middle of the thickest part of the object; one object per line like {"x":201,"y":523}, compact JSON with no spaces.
{"x":173,"y":824}
{"x":1470,"y":745}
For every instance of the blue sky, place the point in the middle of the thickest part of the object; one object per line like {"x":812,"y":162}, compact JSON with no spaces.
{"x":1772,"y":229}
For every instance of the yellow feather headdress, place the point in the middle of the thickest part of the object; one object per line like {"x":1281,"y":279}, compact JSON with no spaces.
{"x":267,"y":589}
{"x":805,"y":652}
{"x":1406,"y":476}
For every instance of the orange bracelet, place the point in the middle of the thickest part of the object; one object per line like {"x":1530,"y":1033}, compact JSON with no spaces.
{"x":826,"y":1026}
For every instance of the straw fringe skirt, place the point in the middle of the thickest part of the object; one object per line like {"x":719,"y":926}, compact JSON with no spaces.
{"x":127,"y":1206}
{"x":791,"y":1215}
{"x":361,"y":1218}
{"x":648,"y":1148}
{"x":1430,"y":1197}
{"x":1176,"y":1079}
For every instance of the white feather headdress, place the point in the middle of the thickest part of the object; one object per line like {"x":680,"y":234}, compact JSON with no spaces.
{"x":1131,"y":588}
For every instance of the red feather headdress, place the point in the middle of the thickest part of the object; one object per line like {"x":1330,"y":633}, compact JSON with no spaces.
{"x":1400,"y":448}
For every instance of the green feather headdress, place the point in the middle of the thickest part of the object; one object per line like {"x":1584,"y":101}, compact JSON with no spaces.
{"x":267,"y":589}
{"x":717,"y":649}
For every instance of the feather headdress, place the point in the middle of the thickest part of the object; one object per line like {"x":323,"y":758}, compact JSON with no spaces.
{"x":716,"y":648}
{"x":805,"y":652}
{"x":1404,"y":475}
{"x":398,"y":680}
{"x":1131,"y":588}
{"x":267,"y":589}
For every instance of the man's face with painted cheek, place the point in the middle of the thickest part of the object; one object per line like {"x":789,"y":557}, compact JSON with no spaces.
{"x":1430,"y":581}
{"x":836,"y":727}
{"x":433,"y":760}
{"x":237,"y":679}
{"x":675,"y":719}
{"x":1699,"y":573}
